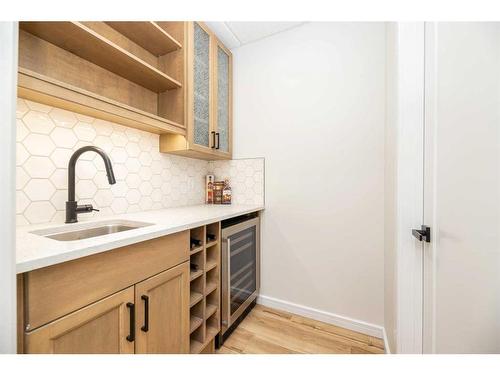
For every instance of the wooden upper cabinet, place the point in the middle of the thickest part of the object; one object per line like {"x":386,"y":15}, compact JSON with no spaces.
{"x":223,"y":99}
{"x":169,"y":78}
{"x":208,"y":87}
{"x":200,"y":87}
{"x":102,"y":327}
{"x":162,"y":302}
{"x":130,"y":73}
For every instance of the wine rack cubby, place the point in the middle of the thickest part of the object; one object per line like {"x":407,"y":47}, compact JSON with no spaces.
{"x":205,"y":286}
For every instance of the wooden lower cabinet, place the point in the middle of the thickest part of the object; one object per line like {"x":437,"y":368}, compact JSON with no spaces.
{"x":160,"y":305}
{"x":101,"y":327}
{"x":134,"y":299}
{"x":162,"y":302}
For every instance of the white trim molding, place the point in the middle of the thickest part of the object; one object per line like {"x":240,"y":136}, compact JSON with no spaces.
{"x":387,"y":347}
{"x":409,"y":201}
{"x":323,"y":316}
{"x":8,"y":71}
{"x":430,"y":261}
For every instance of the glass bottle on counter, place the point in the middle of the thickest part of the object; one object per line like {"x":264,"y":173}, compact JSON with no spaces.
{"x":210,"y":189}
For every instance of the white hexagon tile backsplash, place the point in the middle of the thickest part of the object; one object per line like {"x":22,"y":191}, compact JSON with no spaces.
{"x":146,"y":178}
{"x":246,"y":178}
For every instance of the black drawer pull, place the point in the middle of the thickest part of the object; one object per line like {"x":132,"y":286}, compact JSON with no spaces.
{"x":131,"y":336}
{"x":218,"y":141}
{"x":145,"y":327}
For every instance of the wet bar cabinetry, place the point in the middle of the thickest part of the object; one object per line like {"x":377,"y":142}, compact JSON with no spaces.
{"x":155,"y":296}
{"x":168,"y":78}
{"x":133,"y":299}
{"x":204,"y":302}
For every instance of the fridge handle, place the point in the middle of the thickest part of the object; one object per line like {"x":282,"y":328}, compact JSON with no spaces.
{"x":228,"y":281}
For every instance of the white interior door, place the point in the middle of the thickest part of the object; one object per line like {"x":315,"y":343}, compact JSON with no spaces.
{"x":462,"y":188}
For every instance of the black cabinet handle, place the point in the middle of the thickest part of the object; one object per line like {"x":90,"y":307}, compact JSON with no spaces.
{"x":218,"y":141}
{"x":213,"y":140}
{"x":145,"y":327}
{"x":131,"y":336}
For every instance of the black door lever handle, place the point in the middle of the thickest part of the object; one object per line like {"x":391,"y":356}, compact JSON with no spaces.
{"x":423,"y":234}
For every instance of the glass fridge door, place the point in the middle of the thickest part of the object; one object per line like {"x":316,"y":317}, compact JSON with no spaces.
{"x":243,"y":267}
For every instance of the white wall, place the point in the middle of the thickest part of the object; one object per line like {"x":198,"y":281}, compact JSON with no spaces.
{"x":8,"y":69}
{"x":311,"y":101}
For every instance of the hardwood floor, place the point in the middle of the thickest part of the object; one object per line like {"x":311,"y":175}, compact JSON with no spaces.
{"x":270,"y":331}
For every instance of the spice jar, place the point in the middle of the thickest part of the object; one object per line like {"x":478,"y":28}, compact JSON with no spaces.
{"x":226,"y":192}
{"x":218,"y":187}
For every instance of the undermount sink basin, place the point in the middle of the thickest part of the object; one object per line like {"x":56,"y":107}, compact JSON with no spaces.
{"x":83,"y":231}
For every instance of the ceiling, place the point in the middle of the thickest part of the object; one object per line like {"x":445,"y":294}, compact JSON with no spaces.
{"x":236,"y":34}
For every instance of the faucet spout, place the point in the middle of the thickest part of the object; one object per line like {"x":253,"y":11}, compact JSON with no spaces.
{"x":72,"y":208}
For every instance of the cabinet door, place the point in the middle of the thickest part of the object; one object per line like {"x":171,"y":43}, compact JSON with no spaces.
{"x":200,"y":84}
{"x":223,"y":99}
{"x":102,"y":327}
{"x":162,"y":302}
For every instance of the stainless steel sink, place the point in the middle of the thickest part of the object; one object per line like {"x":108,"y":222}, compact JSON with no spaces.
{"x":77,"y":232}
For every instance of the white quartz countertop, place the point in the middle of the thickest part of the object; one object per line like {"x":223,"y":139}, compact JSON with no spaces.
{"x":34,"y":251}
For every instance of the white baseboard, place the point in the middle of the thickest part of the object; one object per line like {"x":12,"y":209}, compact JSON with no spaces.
{"x":323,"y":316}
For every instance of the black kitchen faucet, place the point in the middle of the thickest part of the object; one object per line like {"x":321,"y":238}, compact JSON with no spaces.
{"x":72,"y":207}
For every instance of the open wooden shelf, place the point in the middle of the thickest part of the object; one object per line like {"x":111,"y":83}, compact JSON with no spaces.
{"x":210,"y":264}
{"x":213,"y":231}
{"x":210,"y":310}
{"x":196,"y":346}
{"x":149,"y":35}
{"x":206,"y":307}
{"x":211,"y":333}
{"x":37,"y":87}
{"x":194,"y":322}
{"x":196,"y":250}
{"x":210,"y":244}
{"x":211,"y":286}
{"x":194,"y":298}
{"x":195,"y":274}
{"x":91,"y":46}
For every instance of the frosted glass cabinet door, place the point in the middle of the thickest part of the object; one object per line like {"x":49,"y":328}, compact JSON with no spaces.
{"x":201,"y":87}
{"x":223,"y":99}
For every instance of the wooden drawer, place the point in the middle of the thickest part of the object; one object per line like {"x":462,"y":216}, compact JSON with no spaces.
{"x":100,"y":328}
{"x":58,"y":290}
